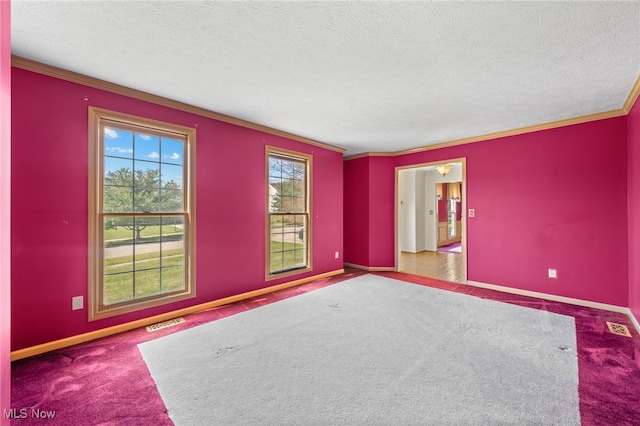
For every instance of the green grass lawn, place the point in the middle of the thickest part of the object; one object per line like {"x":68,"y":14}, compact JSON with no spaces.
{"x":122,"y":233}
{"x":286,"y":256}
{"x":143,"y":261}
{"x":119,"y":271}
{"x":119,"y":275}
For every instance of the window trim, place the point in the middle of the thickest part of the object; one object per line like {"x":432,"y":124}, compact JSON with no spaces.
{"x":96,"y":309}
{"x":308,"y":159}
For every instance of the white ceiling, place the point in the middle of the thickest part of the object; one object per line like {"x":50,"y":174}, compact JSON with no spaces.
{"x":365,"y":76}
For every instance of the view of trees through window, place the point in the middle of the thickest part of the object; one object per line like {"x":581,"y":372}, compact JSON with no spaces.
{"x":288,"y":215}
{"x":143,"y":215}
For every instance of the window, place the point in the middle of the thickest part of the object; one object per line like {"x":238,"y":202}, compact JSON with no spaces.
{"x":453,"y":197}
{"x":451,"y":216}
{"x":141,"y":213}
{"x":289,"y":220}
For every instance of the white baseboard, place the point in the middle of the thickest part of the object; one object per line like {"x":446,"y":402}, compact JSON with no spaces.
{"x":569,"y":300}
{"x":634,"y":320}
{"x":553,"y":297}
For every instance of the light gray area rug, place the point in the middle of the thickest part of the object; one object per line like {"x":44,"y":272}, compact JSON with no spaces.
{"x":372,"y":350}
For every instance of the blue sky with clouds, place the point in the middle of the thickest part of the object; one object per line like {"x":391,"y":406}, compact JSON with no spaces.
{"x":140,"y":152}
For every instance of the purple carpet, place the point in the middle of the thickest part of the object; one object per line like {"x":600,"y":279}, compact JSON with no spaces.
{"x":106,"y":381}
{"x":451,"y":248}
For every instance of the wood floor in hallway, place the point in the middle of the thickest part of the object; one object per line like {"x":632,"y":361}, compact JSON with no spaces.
{"x":442,"y":266}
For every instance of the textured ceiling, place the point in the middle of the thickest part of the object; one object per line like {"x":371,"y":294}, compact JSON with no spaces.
{"x":365,"y":76}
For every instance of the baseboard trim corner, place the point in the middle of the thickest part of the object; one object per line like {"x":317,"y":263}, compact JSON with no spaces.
{"x":120,"y":328}
{"x":370,"y":268}
{"x":552,"y":297}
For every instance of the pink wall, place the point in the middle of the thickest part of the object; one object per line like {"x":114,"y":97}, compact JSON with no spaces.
{"x":366,"y":212}
{"x":50,"y":126}
{"x":5,"y":209}
{"x":442,"y":207}
{"x":356,"y":199}
{"x":541,"y":208}
{"x":381,"y":210}
{"x":633,"y":181}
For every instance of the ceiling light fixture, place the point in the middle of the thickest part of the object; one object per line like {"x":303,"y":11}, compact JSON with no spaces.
{"x":444,"y":169}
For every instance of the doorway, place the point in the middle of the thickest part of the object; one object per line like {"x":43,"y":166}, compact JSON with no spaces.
{"x":430,"y":221}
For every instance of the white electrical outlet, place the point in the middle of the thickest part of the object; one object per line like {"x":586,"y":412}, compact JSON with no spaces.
{"x":337,"y":255}
{"x":553,"y":273}
{"x":76,"y":303}
{"x":472,"y":212}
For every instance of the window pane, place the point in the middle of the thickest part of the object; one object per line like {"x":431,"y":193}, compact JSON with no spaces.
{"x":118,"y":185}
{"x":172,"y":151}
{"x":146,"y":187}
{"x":147,"y":283}
{"x":275,"y":196}
{"x":118,"y":199}
{"x":275,"y":169}
{"x":277,"y":227}
{"x":298,"y":204}
{"x":171,"y":200}
{"x":118,"y":245}
{"x":172,"y":261}
{"x":298,"y":171}
{"x":298,"y":188}
{"x":118,"y":143}
{"x":288,"y":242}
{"x":171,"y":176}
{"x":118,"y":171}
{"x":287,"y":185}
{"x":118,"y":259}
{"x":173,"y":257}
{"x":451,"y":226}
{"x":118,"y":288}
{"x":143,"y":256}
{"x":118,"y":230}
{"x":146,"y":200}
{"x":172,"y":253}
{"x":146,"y":174}
{"x":147,"y":254}
{"x":147,"y":230}
{"x":147,"y":147}
{"x":172,"y":235}
{"x":172,"y":278}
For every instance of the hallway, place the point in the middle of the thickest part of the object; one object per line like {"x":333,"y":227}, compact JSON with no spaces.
{"x":438,"y":265}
